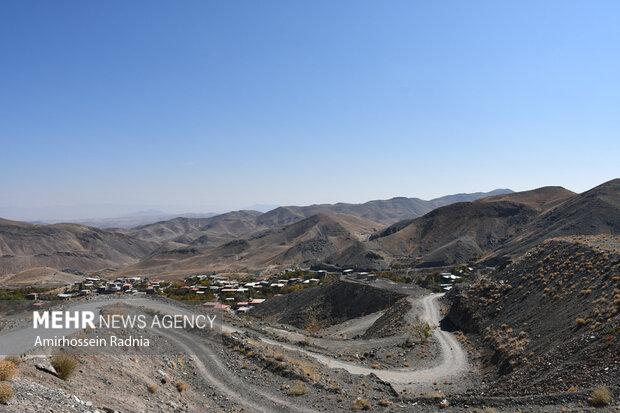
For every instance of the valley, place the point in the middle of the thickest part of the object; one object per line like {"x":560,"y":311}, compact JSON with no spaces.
{"x":506,"y":302}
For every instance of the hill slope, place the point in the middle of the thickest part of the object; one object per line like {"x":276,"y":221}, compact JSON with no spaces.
{"x":500,"y":227}
{"x":382,"y":211}
{"x":593,"y":212}
{"x":212,"y":230}
{"x":551,"y":318}
{"x":304,"y":243}
{"x":24,"y":246}
{"x":455,"y":233}
{"x":325,"y":305}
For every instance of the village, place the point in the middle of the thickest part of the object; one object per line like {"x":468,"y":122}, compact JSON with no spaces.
{"x":237,"y":294}
{"x":225,"y":292}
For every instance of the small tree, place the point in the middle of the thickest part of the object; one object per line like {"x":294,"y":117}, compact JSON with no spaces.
{"x":421,"y":330}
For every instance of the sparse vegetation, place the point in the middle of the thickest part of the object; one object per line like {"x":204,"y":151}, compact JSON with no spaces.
{"x":64,"y":365}
{"x":421,"y":331}
{"x":600,"y":397}
{"x":299,"y":389}
{"x":385,"y":402}
{"x":14,"y":359}
{"x":361,"y":404}
{"x":181,"y":386}
{"x":8,"y":370}
{"x":6,"y":393}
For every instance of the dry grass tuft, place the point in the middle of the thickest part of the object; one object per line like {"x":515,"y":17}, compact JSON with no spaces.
{"x":600,"y":397}
{"x":6,"y":393}
{"x":181,"y":386}
{"x":361,"y":404}
{"x":64,"y":365}
{"x":8,"y":370}
{"x":14,"y":359}
{"x":298,"y":389}
{"x":385,"y":402}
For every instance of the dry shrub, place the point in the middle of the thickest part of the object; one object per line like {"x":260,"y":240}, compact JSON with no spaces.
{"x":298,"y":389}
{"x":8,"y":370}
{"x":152,"y":388}
{"x":64,"y":365}
{"x":279,"y":355}
{"x":361,"y":404}
{"x":385,"y":402}
{"x":181,"y":386}
{"x":14,"y":359}
{"x":6,"y":393}
{"x":600,"y":397}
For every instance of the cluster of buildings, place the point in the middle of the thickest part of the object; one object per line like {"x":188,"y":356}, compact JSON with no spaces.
{"x":362,"y":276}
{"x":226,"y":293}
{"x":236,"y":295}
{"x":448,"y":279}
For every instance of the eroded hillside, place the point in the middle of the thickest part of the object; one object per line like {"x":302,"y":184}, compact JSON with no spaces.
{"x":551,"y":318}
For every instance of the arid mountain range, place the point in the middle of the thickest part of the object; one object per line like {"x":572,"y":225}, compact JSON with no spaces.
{"x":490,"y":228}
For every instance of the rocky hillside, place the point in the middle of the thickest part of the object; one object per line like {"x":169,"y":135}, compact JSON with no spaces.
{"x":24,"y":246}
{"x":551,"y":318}
{"x":326,"y":305}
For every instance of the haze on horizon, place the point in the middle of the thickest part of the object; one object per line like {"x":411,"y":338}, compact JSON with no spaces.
{"x":117,"y":107}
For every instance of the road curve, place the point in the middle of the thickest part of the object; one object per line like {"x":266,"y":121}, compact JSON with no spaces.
{"x":453,"y":358}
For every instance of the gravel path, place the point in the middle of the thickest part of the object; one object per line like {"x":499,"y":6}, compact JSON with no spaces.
{"x":453,"y":358}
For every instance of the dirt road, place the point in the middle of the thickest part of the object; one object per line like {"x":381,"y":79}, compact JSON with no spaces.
{"x":453,"y":358}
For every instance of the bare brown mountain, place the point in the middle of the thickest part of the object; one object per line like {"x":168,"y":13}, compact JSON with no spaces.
{"x":216,"y":230}
{"x":493,"y":230}
{"x":500,"y":227}
{"x":593,"y":212}
{"x":382,"y":211}
{"x":455,"y":233}
{"x":541,"y":198}
{"x":208,"y":231}
{"x":306,"y":242}
{"x":24,"y":246}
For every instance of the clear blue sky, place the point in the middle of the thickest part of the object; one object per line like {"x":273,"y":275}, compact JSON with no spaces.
{"x":205,"y":105}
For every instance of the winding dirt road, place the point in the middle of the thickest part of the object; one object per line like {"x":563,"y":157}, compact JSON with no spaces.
{"x":453,"y":360}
